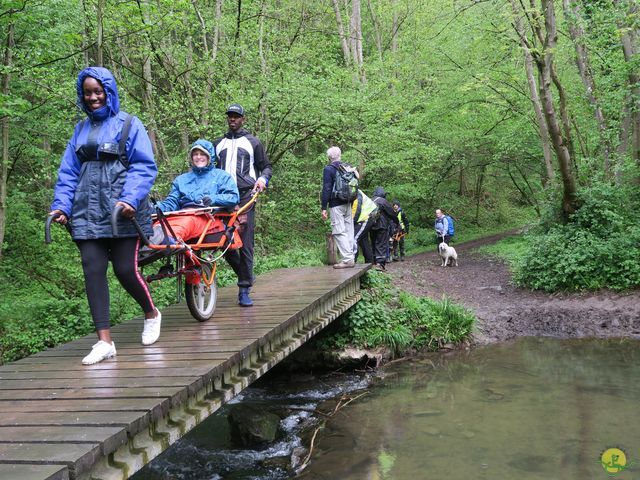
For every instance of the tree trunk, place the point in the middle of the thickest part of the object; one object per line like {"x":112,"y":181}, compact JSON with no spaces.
{"x":356,"y":38}
{"x":238,"y":19}
{"x":462,"y":182}
{"x":147,"y":86}
{"x":573,"y":16}
{"x":543,"y":26}
{"x":100,"y":33}
{"x":377,"y":34}
{"x":343,"y":38}
{"x":264,"y":107}
{"x":217,"y":31}
{"x":4,"y":168}
{"x":206,"y":94}
{"x":478,"y":192}
{"x":561,"y":145}
{"x":535,"y":98}
{"x":86,"y":36}
{"x":629,"y":35}
{"x":395,"y":27}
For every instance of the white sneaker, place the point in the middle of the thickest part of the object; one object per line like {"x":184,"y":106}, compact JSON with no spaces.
{"x":151,"y":331}
{"x":99,"y":352}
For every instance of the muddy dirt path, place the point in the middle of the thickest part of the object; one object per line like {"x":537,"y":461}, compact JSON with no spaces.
{"x":483,"y":284}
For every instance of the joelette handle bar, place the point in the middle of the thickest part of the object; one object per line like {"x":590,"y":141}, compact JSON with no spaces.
{"x":47,"y":227}
{"x":114,"y":224}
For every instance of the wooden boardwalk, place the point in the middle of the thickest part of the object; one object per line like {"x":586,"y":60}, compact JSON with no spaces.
{"x":62,"y":420}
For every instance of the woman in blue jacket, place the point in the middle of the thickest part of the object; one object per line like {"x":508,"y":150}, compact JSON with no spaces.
{"x":92,"y":180}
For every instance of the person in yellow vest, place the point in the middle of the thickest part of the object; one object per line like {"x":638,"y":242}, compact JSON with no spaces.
{"x":365,"y":213}
{"x":400,"y":233}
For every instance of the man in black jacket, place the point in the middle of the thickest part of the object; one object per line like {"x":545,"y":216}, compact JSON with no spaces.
{"x":242,"y":156}
{"x":380,"y":230}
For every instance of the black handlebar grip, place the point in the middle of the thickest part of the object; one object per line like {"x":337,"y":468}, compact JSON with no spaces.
{"x":47,"y":227}
{"x":114,"y":219}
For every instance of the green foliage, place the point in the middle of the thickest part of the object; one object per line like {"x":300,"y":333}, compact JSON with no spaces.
{"x":599,"y":247}
{"x":512,"y":249}
{"x":399,"y":320}
{"x":435,"y":323}
{"x":438,"y":123}
{"x":30,"y":325}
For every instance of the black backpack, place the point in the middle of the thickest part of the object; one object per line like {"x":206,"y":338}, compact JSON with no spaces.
{"x":345,"y":186}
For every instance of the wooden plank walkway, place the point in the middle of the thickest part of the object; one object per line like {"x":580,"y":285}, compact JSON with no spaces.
{"x":61,"y":420}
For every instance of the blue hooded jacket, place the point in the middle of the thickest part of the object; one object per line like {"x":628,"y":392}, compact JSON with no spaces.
{"x":91,"y":178}
{"x":202,"y":186}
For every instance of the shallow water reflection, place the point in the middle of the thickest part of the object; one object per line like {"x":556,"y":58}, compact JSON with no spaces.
{"x":536,"y":408}
{"x":531,"y":409}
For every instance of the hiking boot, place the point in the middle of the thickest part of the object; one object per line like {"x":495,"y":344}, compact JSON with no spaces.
{"x":402,"y":258}
{"x":345,"y":264}
{"x":395,"y":259}
{"x":243,"y":297}
{"x":381,"y":267}
{"x":151,"y":331}
{"x":99,"y":352}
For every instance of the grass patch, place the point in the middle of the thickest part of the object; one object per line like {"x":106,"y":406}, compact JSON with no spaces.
{"x":389,"y":317}
{"x":511,"y":249}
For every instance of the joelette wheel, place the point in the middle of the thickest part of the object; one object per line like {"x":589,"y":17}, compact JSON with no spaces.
{"x":202,"y":298}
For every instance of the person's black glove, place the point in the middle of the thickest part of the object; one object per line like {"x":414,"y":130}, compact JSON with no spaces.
{"x":206,"y":201}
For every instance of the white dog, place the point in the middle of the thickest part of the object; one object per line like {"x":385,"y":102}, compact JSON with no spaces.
{"x":448,"y":255}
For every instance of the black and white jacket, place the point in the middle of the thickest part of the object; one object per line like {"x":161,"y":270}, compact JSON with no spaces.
{"x":242,"y":156}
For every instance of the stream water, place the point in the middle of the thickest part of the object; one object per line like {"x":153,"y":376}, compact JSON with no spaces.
{"x":536,"y":408}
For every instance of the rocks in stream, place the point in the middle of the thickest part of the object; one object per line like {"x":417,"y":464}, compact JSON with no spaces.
{"x":252,"y":427}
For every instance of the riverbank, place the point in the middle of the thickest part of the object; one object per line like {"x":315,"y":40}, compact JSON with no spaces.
{"x":483,"y":284}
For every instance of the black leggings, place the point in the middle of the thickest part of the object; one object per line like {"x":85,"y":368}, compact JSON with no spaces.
{"x":123,"y":253}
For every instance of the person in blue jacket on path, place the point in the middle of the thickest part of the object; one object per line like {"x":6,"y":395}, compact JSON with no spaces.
{"x":92,"y":180}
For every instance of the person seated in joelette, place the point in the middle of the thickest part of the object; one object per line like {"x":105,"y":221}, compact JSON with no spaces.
{"x":202,"y":186}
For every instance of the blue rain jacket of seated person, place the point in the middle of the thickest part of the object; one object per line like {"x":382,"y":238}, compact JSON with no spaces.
{"x":91,"y":178}
{"x":202,"y":186}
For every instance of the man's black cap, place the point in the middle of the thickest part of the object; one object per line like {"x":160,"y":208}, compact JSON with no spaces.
{"x":235,"y":108}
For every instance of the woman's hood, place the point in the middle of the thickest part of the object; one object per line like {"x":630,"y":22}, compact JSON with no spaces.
{"x":106,"y":78}
{"x":379,"y":192}
{"x":207,"y":147}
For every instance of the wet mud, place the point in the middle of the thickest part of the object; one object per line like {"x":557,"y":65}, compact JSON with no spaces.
{"x":483,"y":284}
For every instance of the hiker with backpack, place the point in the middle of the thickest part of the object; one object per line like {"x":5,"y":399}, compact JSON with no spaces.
{"x":444,"y":227}
{"x":339,"y":189}
{"x":108,"y":163}
{"x":380,"y":231}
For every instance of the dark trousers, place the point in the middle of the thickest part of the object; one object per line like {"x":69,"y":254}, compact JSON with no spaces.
{"x":363,"y":243}
{"x":447,"y":239}
{"x":123,"y":253}
{"x":380,"y":241}
{"x":241,"y":260}
{"x":398,"y":244}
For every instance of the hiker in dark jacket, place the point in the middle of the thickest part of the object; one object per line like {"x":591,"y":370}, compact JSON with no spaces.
{"x":243,"y":157}
{"x":92,"y":181}
{"x":380,"y":230}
